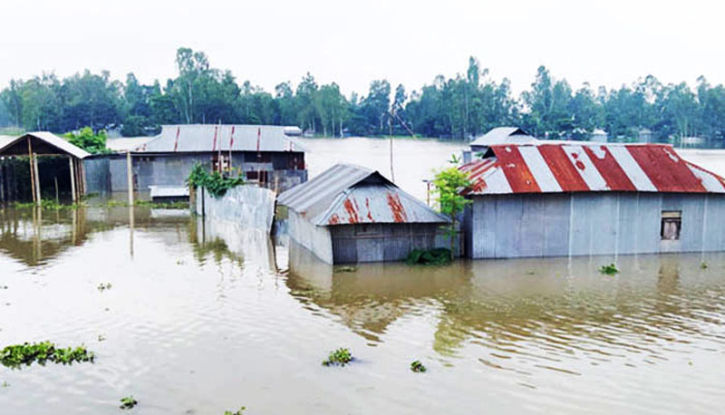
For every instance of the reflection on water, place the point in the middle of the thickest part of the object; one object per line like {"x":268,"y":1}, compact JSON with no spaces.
{"x":208,"y":316}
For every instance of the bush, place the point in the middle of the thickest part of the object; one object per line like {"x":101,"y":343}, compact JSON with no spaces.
{"x":87,"y":140}
{"x":435,"y":256}
{"x":216,"y":184}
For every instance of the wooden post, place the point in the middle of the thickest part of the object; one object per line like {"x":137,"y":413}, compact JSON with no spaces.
{"x":73,"y":179}
{"x":129,"y":177}
{"x":32,"y":171}
{"x":57,"y":197}
{"x":37,"y":180}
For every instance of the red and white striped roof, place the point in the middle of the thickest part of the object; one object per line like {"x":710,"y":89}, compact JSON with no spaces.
{"x":556,"y":168}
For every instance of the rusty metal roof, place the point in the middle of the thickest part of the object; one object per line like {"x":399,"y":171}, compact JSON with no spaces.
{"x":195,"y":138}
{"x":349,"y":194}
{"x":503,"y":135}
{"x":553,"y":168}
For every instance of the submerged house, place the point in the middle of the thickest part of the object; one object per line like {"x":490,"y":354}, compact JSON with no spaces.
{"x":563,"y":199}
{"x":350,"y":214}
{"x":268,"y":155}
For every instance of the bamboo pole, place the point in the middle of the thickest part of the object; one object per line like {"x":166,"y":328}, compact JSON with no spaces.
{"x":32,"y":171}
{"x":129,"y":177}
{"x":57,"y":196}
{"x":73,"y":179}
{"x":37,"y":180}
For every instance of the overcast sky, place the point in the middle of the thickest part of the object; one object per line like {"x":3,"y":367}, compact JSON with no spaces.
{"x":609,"y":43}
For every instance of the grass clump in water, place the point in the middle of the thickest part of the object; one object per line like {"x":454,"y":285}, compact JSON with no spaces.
{"x":103,"y":287}
{"x":703,"y":265}
{"x":128,"y":402}
{"x":418,"y":367}
{"x":346,"y":268}
{"x":339,"y":357}
{"x":610,"y":269}
{"x":437,"y":256}
{"x":239,"y":412}
{"x":26,"y":353}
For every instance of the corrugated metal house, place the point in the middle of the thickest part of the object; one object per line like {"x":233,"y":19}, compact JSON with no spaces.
{"x":266,"y":154}
{"x":561,"y":199}
{"x":350,"y":214}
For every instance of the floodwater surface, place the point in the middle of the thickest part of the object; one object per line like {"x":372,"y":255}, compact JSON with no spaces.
{"x":204,"y":317}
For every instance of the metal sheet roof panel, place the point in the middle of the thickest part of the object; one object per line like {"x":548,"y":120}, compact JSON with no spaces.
{"x":587,"y":168}
{"x":195,"y":138}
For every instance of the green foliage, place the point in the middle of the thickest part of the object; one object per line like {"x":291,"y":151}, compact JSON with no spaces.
{"x":216,"y":184}
{"x":703,"y":265}
{"x":26,"y":353}
{"x":339,"y":357}
{"x":435,"y":256}
{"x":448,"y":185}
{"x":48,"y":204}
{"x":610,"y":269}
{"x":239,"y":412}
{"x":148,"y":204}
{"x":418,"y":367}
{"x":128,"y":402}
{"x":87,"y":140}
{"x":103,"y":287}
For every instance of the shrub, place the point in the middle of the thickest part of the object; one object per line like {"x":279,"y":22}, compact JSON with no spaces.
{"x":435,"y":256}
{"x":215,"y":183}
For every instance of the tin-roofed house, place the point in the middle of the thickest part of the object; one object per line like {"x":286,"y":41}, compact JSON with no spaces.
{"x":541,"y":199}
{"x":351,"y":214}
{"x":266,"y":154}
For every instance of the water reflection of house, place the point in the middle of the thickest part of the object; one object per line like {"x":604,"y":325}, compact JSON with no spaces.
{"x":560,"y":199}
{"x":265,"y":154}
{"x":352,"y":214}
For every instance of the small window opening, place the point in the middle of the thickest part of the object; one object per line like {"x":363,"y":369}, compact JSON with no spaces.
{"x":671,"y":225}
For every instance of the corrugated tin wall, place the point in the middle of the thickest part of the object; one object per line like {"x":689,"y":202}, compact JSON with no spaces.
{"x":510,"y":226}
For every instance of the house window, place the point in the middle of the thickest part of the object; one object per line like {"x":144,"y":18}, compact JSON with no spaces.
{"x":671,"y":225}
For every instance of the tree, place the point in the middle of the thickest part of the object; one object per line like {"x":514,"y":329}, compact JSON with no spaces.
{"x":87,"y":140}
{"x":448,"y":184}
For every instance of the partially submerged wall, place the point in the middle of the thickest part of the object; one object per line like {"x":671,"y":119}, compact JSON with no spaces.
{"x":248,"y":205}
{"x":540,"y":225}
{"x":314,"y":238}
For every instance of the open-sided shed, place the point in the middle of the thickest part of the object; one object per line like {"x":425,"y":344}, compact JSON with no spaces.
{"x":63,"y":169}
{"x":351,"y":214}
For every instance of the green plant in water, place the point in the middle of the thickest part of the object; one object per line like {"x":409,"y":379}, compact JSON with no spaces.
{"x":346,"y":269}
{"x":128,"y":402}
{"x":610,"y":269}
{"x":418,"y":367}
{"x":435,"y":256}
{"x":448,"y":185}
{"x":239,"y":412}
{"x":5,"y":384}
{"x":103,"y":287}
{"x":703,"y":265}
{"x":216,"y":184}
{"x":26,"y":353}
{"x":339,"y":357}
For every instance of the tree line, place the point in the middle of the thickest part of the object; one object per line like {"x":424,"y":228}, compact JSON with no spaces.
{"x":459,"y":107}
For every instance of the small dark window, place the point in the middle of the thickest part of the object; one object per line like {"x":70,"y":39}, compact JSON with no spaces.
{"x":371,"y":229}
{"x":671,"y":225}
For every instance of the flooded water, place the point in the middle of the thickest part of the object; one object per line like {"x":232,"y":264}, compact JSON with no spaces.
{"x":205,"y":317}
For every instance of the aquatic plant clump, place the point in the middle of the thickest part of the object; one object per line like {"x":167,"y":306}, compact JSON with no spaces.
{"x":610,"y":269}
{"x":418,"y":367}
{"x":128,"y":402}
{"x":339,"y":357}
{"x":239,"y":412}
{"x":435,"y":256}
{"x":103,"y":287}
{"x":26,"y":353}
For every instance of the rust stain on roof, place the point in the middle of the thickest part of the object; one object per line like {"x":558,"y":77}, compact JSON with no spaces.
{"x":370,"y":213}
{"x":334,"y":219}
{"x":351,"y":211}
{"x":396,"y":207}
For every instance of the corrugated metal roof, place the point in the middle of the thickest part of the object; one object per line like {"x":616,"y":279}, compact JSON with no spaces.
{"x":349,"y":194}
{"x":52,"y":140}
{"x":5,"y":139}
{"x":126,"y":143}
{"x":503,"y":135}
{"x":208,"y":138}
{"x":552,"y":168}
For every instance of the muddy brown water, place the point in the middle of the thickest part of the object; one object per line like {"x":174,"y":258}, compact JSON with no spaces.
{"x":205,"y":317}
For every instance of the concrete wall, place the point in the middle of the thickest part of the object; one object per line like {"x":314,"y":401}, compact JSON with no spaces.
{"x":536,"y":225}
{"x":314,"y":238}
{"x":249,"y":206}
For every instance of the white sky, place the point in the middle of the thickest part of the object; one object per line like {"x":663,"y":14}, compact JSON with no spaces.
{"x":607,"y":42}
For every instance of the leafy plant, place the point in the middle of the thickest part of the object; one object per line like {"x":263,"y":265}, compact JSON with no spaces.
{"x":435,"y":256}
{"x":448,"y":184}
{"x":216,"y":184}
{"x":128,"y":402}
{"x":339,"y":357}
{"x":703,"y":265}
{"x":239,"y":412}
{"x":610,"y":269}
{"x":418,"y":367}
{"x":26,"y":353}
{"x":87,"y":140}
